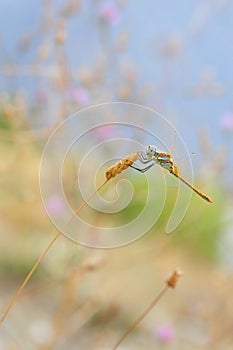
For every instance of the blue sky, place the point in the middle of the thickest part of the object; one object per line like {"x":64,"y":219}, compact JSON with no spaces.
{"x":204,"y":29}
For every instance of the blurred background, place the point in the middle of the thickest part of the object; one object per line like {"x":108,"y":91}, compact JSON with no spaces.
{"x":57,"y":57}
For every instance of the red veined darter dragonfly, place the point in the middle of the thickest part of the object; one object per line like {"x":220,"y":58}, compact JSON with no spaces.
{"x":166,"y":162}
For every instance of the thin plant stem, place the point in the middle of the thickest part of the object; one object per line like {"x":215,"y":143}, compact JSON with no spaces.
{"x":114,"y":170}
{"x":171,"y":282}
{"x":17,"y":294}
{"x":141,"y":317}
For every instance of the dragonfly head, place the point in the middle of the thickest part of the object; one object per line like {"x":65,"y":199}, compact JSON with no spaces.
{"x":150,"y":151}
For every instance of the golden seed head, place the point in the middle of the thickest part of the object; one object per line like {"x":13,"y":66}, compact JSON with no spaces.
{"x":172,"y":280}
{"x":123,"y":164}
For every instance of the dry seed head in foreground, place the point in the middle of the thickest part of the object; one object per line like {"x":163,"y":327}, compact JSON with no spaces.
{"x":123,"y":164}
{"x":172,"y":280}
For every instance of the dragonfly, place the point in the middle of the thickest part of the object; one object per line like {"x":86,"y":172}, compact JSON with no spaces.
{"x":165,"y":160}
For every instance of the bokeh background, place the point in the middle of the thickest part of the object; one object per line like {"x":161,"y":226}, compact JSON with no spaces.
{"x":57,"y":57}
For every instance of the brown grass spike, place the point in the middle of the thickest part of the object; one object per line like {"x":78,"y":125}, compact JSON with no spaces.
{"x":170,"y":283}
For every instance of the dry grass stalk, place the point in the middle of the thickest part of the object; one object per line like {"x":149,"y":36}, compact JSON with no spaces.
{"x":170,"y":283}
{"x":111,"y":172}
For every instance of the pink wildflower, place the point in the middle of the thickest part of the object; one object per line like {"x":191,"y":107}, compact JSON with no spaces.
{"x":109,"y":12}
{"x":105,"y":132}
{"x":226,"y":121}
{"x":55,"y":205}
{"x":78,"y":95}
{"x":165,"y":333}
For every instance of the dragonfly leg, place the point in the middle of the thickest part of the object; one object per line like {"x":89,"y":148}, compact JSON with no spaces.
{"x":144,"y":159}
{"x":143,"y":170}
